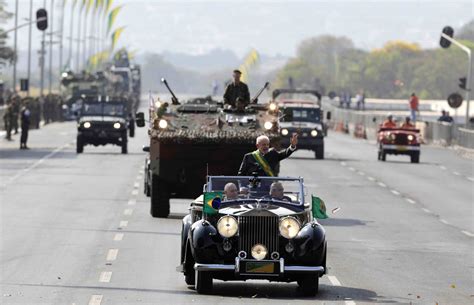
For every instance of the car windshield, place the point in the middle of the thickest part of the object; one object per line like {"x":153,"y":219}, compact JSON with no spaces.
{"x":276,"y":189}
{"x":301,"y":115}
{"x":107,"y":109}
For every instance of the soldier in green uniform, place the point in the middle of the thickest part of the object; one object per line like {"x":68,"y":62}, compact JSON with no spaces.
{"x":7,"y":120}
{"x":236,"y":90}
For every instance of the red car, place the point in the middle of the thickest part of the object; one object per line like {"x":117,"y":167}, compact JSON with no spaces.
{"x":399,"y":141}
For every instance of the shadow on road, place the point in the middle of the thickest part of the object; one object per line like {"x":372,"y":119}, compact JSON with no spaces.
{"x":342,"y":222}
{"x":291,"y":291}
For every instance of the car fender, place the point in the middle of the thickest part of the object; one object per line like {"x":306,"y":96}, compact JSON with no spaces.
{"x":310,"y":244}
{"x":204,"y":240}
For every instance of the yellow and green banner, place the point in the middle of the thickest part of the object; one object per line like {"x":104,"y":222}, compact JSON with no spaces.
{"x":116,"y":35}
{"x":112,"y":16}
{"x":250,"y":60}
{"x":318,"y":207}
{"x":211,"y":202}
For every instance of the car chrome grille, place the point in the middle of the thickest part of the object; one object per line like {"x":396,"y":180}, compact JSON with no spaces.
{"x":258,"y":230}
{"x":401,"y":139}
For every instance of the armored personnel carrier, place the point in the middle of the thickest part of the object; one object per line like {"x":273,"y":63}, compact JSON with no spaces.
{"x":197,"y":138}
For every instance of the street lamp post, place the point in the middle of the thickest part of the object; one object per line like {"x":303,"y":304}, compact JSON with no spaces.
{"x":51,"y":48}
{"x":15,"y":45}
{"x":78,"y":50}
{"x":28,"y":73}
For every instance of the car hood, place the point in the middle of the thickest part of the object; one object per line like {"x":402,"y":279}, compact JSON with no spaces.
{"x":264,"y":209}
{"x":98,"y":118}
{"x":309,"y":125}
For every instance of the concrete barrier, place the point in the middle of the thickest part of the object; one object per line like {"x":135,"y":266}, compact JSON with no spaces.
{"x":465,"y":138}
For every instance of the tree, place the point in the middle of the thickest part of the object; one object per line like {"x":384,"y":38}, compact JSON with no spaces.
{"x":6,"y":53}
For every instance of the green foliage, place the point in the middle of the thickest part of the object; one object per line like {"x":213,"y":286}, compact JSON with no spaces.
{"x":6,"y":53}
{"x":394,"y":71}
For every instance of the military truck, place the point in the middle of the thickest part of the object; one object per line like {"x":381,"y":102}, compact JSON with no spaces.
{"x":102,"y":120}
{"x":192,"y":140}
{"x":301,"y":112}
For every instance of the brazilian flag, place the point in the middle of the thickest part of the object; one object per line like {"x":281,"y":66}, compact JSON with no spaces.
{"x":319,"y":208}
{"x":212,"y":202}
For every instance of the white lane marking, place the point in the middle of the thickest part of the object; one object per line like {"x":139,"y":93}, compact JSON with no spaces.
{"x":371,"y":178}
{"x":352,"y":169}
{"x":136,"y":185}
{"x":396,"y":193}
{"x":334,"y":281}
{"x":444,"y":221}
{"x":361,"y":173}
{"x":349,"y":302}
{"x":112,"y":254}
{"x":105,"y":276}
{"x":410,"y":200}
{"x":426,"y":210}
{"x":95,"y":299}
{"x":128,"y":212}
{"x":118,"y":236}
{"x":343,"y":163}
{"x":132,"y":202}
{"x":457,"y":173}
{"x":470,"y":179}
{"x":443,"y":167}
{"x":134,"y":192}
{"x":468,"y":233}
{"x":123,"y":223}
{"x":36,"y":164}
{"x":139,"y":177}
{"x":382,"y":184}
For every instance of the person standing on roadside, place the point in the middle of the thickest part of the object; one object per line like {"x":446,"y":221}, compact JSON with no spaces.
{"x":7,"y":120}
{"x":414,"y":102}
{"x":25,"y":125}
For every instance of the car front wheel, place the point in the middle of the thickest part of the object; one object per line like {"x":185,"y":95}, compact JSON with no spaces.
{"x":203,"y":283}
{"x":309,"y":285}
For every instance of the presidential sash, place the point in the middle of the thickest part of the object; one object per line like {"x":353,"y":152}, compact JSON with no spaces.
{"x":263,"y":163}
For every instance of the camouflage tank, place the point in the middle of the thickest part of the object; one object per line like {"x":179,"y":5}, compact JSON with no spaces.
{"x":195,"y":139}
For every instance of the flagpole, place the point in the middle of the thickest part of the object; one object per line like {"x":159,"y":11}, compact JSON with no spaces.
{"x":50,"y":88}
{"x":61,"y":42}
{"x":71,"y":30}
{"x":78,"y":50}
{"x":84,"y":47}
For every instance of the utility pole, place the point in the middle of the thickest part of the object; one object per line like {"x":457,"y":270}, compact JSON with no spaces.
{"x":84,"y":49}
{"x":15,"y":46}
{"x":42,"y":53}
{"x":28,"y":74}
{"x":51,"y":48}
{"x":78,"y":50}
{"x":61,"y":34}
{"x":71,"y":30}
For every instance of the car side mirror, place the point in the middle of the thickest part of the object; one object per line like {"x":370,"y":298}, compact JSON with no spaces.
{"x":140,"y":119}
{"x":328,"y":116}
{"x":146,"y":148}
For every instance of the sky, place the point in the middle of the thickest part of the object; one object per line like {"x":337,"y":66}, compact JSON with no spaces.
{"x":272,"y":27}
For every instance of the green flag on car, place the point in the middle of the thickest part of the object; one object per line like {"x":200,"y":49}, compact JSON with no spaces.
{"x":211,"y":202}
{"x":318,"y":207}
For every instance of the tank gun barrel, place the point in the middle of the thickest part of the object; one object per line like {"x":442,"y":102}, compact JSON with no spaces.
{"x":174,"y":99}
{"x":260,"y":92}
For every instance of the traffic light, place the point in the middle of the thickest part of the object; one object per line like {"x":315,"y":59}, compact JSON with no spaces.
{"x":41,"y":19}
{"x":454,"y":100}
{"x":462,"y":83}
{"x":444,"y":43}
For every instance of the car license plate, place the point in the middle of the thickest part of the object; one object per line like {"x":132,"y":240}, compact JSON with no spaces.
{"x":260,"y":267}
{"x":402,"y":148}
{"x":305,"y":134}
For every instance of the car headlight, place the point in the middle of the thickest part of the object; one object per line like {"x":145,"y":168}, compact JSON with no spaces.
{"x":259,"y":251}
{"x":157,"y":104}
{"x":87,"y":125}
{"x":163,"y":124}
{"x":392,"y":136}
{"x":227,"y":226}
{"x":314,"y":133}
{"x":289,"y":227}
{"x":117,"y":125}
{"x":272,"y":107}
{"x":410,"y":137}
{"x":268,"y":125}
{"x":284,"y":132}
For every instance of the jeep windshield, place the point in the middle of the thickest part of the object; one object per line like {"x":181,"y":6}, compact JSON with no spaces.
{"x":265,"y":189}
{"x":297,"y":96}
{"x":292,"y":114}
{"x":103,"y":109}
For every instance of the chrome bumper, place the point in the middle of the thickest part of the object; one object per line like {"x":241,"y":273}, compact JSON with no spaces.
{"x":283,"y":269}
{"x":401,"y":147}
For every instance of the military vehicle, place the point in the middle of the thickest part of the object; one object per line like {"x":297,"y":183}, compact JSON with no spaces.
{"x":301,"y":113}
{"x":102,"y":120}
{"x":192,"y":140}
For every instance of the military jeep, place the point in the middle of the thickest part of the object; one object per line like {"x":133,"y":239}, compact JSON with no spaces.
{"x":102,"y":121}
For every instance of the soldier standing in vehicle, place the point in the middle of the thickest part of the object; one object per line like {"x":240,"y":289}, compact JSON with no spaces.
{"x":25,"y":125}
{"x":236,"y":89}
{"x":264,"y":160}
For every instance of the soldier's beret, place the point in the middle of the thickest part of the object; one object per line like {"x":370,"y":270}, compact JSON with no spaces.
{"x":237,"y":71}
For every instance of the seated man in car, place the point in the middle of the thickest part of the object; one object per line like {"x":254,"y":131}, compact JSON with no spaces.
{"x":389,"y":123}
{"x":277,"y":192}
{"x":408,"y":124}
{"x":230,"y":192}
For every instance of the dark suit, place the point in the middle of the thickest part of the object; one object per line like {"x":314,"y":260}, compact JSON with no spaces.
{"x":273,"y":157}
{"x":233,"y":91}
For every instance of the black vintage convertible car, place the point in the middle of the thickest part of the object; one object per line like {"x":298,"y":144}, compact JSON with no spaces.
{"x":262,"y":230}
